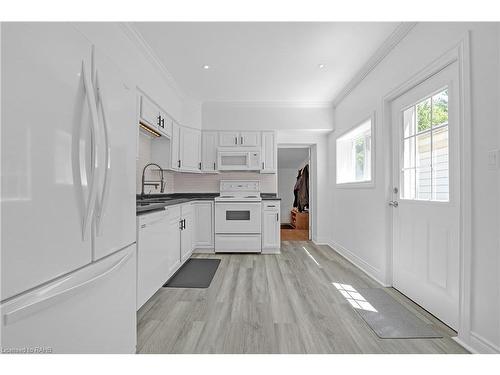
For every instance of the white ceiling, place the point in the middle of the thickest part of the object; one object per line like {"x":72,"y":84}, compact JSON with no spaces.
{"x":264,"y":61}
{"x":292,"y":157}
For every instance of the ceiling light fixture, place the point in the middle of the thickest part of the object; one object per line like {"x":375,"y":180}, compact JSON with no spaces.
{"x":322,"y":66}
{"x":206,"y":67}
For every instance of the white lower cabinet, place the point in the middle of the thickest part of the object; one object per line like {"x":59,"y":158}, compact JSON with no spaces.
{"x":204,"y":225}
{"x":271,"y":241}
{"x":174,"y":240}
{"x":164,"y":243}
{"x":153,"y":244}
{"x":187,"y":231}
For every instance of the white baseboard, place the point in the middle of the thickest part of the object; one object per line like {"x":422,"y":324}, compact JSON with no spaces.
{"x":204,"y":251}
{"x":357,"y":261}
{"x":482,"y":345}
{"x":320,"y":241}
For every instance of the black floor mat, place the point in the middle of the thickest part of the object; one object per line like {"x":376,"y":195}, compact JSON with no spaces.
{"x":195,"y":273}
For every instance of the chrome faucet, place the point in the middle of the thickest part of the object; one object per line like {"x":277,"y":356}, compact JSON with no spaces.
{"x":162,"y":182}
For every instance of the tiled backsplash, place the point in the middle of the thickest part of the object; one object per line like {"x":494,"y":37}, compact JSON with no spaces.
{"x":177,"y":182}
{"x":151,"y":173}
{"x":209,"y":183}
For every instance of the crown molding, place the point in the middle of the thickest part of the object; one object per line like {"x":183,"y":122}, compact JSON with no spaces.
{"x":267,"y":104}
{"x":138,"y":40}
{"x":387,"y":46}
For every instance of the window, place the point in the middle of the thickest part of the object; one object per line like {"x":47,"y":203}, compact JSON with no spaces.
{"x":354,"y":155}
{"x":425,"y":172}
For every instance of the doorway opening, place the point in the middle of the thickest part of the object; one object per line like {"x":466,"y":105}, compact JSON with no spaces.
{"x":294,"y":189}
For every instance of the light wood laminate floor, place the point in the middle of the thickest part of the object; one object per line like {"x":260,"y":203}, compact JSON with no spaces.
{"x":274,"y":304}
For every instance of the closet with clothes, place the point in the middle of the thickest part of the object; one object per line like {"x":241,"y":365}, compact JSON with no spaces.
{"x":299,"y":216}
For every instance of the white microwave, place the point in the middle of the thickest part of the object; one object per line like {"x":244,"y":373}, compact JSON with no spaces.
{"x":238,"y":159}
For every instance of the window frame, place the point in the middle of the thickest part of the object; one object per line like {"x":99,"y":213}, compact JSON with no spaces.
{"x":360,"y":184}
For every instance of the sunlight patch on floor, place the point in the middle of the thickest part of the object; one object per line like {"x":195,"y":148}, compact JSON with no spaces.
{"x":354,"y":297}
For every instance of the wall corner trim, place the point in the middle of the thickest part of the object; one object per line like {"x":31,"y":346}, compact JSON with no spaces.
{"x":352,"y":258}
{"x":384,"y":49}
{"x":145,"y":49}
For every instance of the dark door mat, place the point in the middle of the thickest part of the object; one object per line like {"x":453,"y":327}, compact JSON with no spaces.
{"x":286,"y":226}
{"x":388,"y":318}
{"x":195,"y":273}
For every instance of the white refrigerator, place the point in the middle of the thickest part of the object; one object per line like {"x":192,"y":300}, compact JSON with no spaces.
{"x":68,"y":143}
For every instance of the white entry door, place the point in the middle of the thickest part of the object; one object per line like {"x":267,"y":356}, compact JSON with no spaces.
{"x":426,"y":194}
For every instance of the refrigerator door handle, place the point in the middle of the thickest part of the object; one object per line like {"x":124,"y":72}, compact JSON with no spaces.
{"x":107,"y":160}
{"x":91,"y":101}
{"x":52,"y":295}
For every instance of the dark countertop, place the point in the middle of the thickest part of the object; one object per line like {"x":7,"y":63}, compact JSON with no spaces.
{"x":179,"y":198}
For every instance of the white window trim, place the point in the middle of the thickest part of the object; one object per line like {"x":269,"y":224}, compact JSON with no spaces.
{"x":359,"y":184}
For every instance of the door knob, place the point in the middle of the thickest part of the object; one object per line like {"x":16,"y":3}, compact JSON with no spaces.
{"x":393,"y":203}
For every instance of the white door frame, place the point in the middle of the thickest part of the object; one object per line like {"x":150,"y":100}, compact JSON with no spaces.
{"x":312,"y":181}
{"x":460,"y":53}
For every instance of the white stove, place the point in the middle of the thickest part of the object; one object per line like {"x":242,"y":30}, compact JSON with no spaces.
{"x":238,"y":217}
{"x":239,"y":191}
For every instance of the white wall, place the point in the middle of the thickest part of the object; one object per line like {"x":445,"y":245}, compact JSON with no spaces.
{"x":359,"y":217}
{"x":265,"y":117}
{"x":286,"y":182}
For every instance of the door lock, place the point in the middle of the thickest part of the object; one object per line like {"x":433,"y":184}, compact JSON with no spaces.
{"x":394,"y":204}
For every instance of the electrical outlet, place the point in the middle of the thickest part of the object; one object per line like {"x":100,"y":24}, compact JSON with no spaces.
{"x":494,"y":159}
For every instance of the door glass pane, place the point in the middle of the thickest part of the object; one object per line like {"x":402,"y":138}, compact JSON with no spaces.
{"x":440,"y":163}
{"x":424,"y":115}
{"x":440,"y":108}
{"x":238,"y":215}
{"x":409,"y":153}
{"x":423,"y":151}
{"x":409,"y":122}
{"x":408,"y":179}
{"x":423,"y":183}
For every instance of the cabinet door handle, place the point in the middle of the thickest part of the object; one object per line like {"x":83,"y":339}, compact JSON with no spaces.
{"x":159,"y":120}
{"x":184,"y":224}
{"x":200,"y":165}
{"x":178,"y":163}
{"x":235,"y":140}
{"x":214,"y":166}
{"x":277,"y":216}
{"x":241,"y":140}
{"x":180,"y":225}
{"x":163,"y":123}
{"x":262,"y":165}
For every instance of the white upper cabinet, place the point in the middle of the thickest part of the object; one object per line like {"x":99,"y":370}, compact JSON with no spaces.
{"x":165,"y":124}
{"x":189,"y":149}
{"x":232,"y":139}
{"x":149,"y":112}
{"x":151,"y":115}
{"x":47,"y":102}
{"x":175,"y":161}
{"x":209,"y":152}
{"x":250,"y":139}
{"x":228,"y":139}
{"x":269,"y":152}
